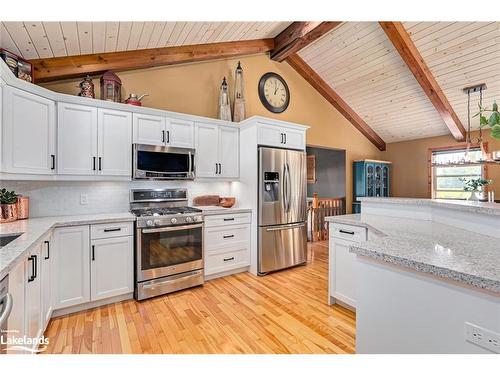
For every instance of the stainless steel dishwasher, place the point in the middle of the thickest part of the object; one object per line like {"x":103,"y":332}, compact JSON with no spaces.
{"x":5,"y":309}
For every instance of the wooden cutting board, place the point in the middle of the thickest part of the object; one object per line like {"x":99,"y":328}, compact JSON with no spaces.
{"x":206,"y":200}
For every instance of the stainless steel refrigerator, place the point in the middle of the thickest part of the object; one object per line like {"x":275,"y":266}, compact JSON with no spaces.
{"x":282,"y":209}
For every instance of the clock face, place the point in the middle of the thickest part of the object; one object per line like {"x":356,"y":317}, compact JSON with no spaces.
{"x":274,"y":93}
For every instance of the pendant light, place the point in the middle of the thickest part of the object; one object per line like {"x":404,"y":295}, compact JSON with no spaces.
{"x":478,"y":140}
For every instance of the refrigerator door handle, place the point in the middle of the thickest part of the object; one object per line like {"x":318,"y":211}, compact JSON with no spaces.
{"x":285,"y":227}
{"x":285,"y":189}
{"x":288,"y":183}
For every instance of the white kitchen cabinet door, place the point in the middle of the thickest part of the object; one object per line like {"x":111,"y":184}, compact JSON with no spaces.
{"x":271,"y":135}
{"x":17,"y":321}
{"x":295,"y":139}
{"x":112,"y":267}
{"x":229,"y":152}
{"x":343,"y":280}
{"x":114,"y":143}
{"x":28,"y":134}
{"x":180,"y":133}
{"x":149,"y":130}
{"x":76,"y":139}
{"x":207,"y":156}
{"x":71,"y":266}
{"x":46,"y":280}
{"x":33,"y":294}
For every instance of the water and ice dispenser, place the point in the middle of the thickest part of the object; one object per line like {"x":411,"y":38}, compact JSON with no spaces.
{"x":271,"y":187}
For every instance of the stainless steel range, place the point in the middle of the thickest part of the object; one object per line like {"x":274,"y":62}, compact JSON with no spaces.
{"x":169,"y":242}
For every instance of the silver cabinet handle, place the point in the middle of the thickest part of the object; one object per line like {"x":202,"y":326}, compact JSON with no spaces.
{"x":6,"y":301}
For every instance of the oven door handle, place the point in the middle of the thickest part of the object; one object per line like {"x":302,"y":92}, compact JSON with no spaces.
{"x":172,"y":229}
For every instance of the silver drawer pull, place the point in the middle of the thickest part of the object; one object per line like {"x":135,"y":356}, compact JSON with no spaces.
{"x":112,"y":230}
{"x":228,"y":236}
{"x":228,"y":259}
{"x":346,"y":232}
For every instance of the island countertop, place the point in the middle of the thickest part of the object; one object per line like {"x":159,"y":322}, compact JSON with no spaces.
{"x":430,"y":247}
{"x":485,"y":208}
{"x":33,"y":230}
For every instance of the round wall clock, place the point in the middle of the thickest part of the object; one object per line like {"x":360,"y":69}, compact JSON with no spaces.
{"x":274,"y":93}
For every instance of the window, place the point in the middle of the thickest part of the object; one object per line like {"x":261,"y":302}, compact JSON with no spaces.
{"x":446,"y":182}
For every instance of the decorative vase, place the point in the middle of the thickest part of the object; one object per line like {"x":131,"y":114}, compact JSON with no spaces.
{"x":8,"y":212}
{"x":478,"y":196}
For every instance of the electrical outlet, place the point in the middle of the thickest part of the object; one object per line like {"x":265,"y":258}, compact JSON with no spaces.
{"x":84,"y":199}
{"x":482,"y":337}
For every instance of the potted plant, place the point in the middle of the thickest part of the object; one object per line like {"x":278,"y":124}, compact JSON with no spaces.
{"x":475,"y":186}
{"x":493,"y":121}
{"x":8,"y":206}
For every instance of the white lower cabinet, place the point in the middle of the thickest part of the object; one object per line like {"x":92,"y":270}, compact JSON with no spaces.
{"x":227,"y":243}
{"x":33,"y":295}
{"x":112,"y":267}
{"x":46,"y":280}
{"x":342,"y":263}
{"x":71,"y":282}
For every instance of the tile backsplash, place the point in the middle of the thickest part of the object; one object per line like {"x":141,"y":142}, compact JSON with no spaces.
{"x":53,"y":198}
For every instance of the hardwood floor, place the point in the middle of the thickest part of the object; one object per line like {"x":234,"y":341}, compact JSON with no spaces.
{"x":284,"y":312}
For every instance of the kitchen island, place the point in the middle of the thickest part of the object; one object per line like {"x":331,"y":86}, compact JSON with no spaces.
{"x":423,"y":275}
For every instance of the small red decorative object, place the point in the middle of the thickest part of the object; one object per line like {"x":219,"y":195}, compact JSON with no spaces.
{"x":111,"y":87}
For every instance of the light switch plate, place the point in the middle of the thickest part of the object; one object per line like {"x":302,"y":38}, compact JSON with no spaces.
{"x":84,"y":199}
{"x":482,"y":337}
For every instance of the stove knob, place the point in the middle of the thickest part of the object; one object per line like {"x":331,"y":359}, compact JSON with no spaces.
{"x":198,"y":218}
{"x":149,"y":223}
{"x":156,"y":222}
{"x":173,"y":220}
{"x":189,"y":219}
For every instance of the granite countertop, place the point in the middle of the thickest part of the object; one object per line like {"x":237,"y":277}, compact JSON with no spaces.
{"x":217,"y":210}
{"x":35,"y":229}
{"x":429,"y":247}
{"x":486,"y":208}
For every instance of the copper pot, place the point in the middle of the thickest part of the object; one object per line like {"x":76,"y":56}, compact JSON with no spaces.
{"x":8,"y":212}
{"x":23,"y":207}
{"x":227,"y":202}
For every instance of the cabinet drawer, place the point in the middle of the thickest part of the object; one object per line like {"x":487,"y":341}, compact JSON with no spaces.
{"x":227,"y":219}
{"x":234,"y":258}
{"x":111,"y":230}
{"x":348,"y":232}
{"x":223,"y":237}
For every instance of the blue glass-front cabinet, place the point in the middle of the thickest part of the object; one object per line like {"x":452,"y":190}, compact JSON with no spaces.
{"x":371,"y":178}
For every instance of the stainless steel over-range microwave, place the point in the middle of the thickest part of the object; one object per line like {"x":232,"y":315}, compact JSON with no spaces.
{"x":162,"y":163}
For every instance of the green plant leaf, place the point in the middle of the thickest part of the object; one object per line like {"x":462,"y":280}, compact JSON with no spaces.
{"x":495,"y":107}
{"x":483,"y":120}
{"x":494,"y":119}
{"x":495,"y":131}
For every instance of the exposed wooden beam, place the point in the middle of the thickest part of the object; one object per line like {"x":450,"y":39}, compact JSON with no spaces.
{"x":77,"y":66}
{"x":297,"y":36}
{"x":401,"y":40}
{"x":329,"y":94}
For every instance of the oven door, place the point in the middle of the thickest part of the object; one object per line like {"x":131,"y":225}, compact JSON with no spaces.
{"x":169,"y":250}
{"x":163,"y":163}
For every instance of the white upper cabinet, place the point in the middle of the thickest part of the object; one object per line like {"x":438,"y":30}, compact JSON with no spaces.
{"x":217,"y":151}
{"x":180,"y":133}
{"x":162,"y":131}
{"x":76,"y":139}
{"x":207,"y":139}
{"x":94,"y":141}
{"x":229,"y":152}
{"x":278,"y":136}
{"x":28,"y":134}
{"x":149,"y":130}
{"x":114,"y":141}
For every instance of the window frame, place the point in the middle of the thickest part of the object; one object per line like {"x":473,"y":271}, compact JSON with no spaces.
{"x":431,"y":176}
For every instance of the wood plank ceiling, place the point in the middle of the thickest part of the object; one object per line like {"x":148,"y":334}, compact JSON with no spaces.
{"x":359,"y":62}
{"x":34,"y":40}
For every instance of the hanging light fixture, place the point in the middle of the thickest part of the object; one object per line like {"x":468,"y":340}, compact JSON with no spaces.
{"x":478,"y":140}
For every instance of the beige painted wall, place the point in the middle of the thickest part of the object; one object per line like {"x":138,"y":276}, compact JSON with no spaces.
{"x":193,"y":88}
{"x":410,"y":164}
